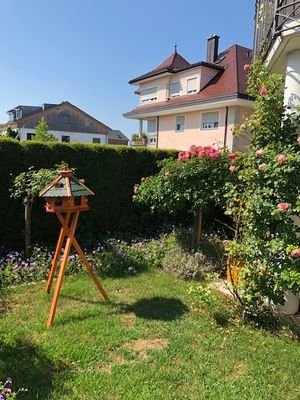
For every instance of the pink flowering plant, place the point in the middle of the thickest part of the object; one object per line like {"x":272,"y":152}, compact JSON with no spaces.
{"x":195,"y":181}
{"x":263,"y":197}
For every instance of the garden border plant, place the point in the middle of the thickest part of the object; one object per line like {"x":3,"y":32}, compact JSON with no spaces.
{"x":263,"y":199}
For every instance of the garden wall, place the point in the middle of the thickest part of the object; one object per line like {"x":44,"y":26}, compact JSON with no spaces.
{"x":110,"y":171}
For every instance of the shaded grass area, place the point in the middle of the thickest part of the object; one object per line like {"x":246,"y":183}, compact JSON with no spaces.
{"x":151,"y":341}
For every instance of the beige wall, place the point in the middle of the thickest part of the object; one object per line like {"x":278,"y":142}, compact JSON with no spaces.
{"x":203,"y":74}
{"x":192,"y":134}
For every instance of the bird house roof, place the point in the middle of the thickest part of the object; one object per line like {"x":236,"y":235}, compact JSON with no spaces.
{"x":66,"y":185}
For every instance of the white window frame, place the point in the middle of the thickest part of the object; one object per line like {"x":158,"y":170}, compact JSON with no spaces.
{"x":192,"y":91}
{"x":176,"y":93}
{"x":152,"y":140}
{"x":149,"y":95}
{"x":210,"y":123}
{"x":179,"y":126}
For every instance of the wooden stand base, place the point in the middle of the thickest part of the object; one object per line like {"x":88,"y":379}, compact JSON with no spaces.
{"x":68,"y":226}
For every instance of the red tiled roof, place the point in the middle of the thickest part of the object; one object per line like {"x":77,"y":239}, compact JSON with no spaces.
{"x":230,"y":80}
{"x":173,"y":63}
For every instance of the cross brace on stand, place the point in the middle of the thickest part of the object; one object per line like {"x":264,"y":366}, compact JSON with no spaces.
{"x":68,"y":226}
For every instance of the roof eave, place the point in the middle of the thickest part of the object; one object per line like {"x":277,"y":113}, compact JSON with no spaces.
{"x":194,"y":105}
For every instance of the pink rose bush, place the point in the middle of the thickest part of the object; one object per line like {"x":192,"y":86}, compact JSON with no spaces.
{"x":260,"y":153}
{"x":295,"y":253}
{"x":283,"y":207}
{"x":281,"y":159}
{"x":263,"y":91}
{"x":232,"y":168}
{"x":261,"y":167}
{"x":246,"y":68}
{"x":199,"y":151}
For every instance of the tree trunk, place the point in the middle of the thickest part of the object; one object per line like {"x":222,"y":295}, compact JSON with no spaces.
{"x":27,"y":216}
{"x":197,"y":229}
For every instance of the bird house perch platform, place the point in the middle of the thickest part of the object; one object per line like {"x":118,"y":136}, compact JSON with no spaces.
{"x":66,"y":196}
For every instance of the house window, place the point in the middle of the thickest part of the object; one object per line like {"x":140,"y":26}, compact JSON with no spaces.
{"x":149,"y":95}
{"x":180,"y":121}
{"x":191,"y":86}
{"x":175,"y":89}
{"x":210,"y":120}
{"x":152,"y":140}
{"x":30,"y":135}
{"x":96,"y":140}
{"x":151,"y":125}
{"x":65,"y":139}
{"x":19,"y":113}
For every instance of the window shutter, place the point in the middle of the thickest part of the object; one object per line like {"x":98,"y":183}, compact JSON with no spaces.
{"x":192,"y":85}
{"x":210,"y":120}
{"x":175,"y":89}
{"x":151,"y":126}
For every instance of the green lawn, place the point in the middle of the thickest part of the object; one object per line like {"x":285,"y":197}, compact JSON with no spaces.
{"x":152,"y":341}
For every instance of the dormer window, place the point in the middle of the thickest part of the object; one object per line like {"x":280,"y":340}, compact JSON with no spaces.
{"x":19,"y":113}
{"x":175,"y":89}
{"x":149,"y":95}
{"x":191,"y":86}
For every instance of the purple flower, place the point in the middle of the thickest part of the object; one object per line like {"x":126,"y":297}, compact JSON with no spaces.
{"x":2,"y":397}
{"x":9,"y":380}
{"x":7,"y":390}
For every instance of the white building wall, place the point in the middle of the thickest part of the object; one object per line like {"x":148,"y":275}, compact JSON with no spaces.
{"x":79,"y":137}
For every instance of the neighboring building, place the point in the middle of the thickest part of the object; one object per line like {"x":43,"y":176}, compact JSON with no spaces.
{"x":277,"y":41}
{"x":184,"y":104}
{"x":65,"y":121}
{"x":118,"y":138}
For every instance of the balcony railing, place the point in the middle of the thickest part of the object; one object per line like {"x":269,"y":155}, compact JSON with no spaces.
{"x":272,"y":17}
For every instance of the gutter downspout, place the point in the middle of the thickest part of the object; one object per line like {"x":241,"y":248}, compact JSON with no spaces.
{"x":226,"y":126}
{"x":157,"y":131}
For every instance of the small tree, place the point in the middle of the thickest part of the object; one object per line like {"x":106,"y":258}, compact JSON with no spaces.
{"x":27,"y":186}
{"x":195,"y":181}
{"x":41,"y":132}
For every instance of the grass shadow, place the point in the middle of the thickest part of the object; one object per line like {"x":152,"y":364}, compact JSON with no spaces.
{"x":222,"y":318}
{"x":32,"y":369}
{"x":158,"y":308}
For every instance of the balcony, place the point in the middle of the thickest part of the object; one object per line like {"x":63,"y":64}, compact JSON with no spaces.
{"x":274,"y":19}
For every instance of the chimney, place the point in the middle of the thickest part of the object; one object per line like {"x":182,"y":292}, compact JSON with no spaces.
{"x":212,"y":48}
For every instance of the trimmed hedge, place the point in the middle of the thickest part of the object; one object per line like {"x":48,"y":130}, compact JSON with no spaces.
{"x":110,"y":171}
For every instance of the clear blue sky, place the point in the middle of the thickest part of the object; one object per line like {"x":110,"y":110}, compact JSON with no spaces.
{"x":85,"y":52}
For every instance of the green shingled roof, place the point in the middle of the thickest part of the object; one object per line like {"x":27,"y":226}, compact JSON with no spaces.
{"x":58,"y":188}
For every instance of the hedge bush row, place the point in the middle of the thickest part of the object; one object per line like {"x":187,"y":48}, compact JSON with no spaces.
{"x":110,"y":171}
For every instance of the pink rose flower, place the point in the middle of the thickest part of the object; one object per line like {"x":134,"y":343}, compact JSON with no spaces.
{"x":135,"y":189}
{"x":298,"y":141}
{"x":262,"y":167}
{"x":283,"y":207}
{"x":295,"y":253}
{"x":260,"y":153}
{"x":246,"y":68}
{"x":281,"y":159}
{"x":263,"y":91}
{"x":232,"y":168}
{"x":167,"y":173}
{"x":143,"y":179}
{"x":226,"y":242}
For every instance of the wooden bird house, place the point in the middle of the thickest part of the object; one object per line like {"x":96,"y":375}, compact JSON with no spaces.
{"x":66,"y":196}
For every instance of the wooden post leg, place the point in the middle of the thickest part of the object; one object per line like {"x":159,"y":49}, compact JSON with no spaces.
{"x":89,"y":269}
{"x":85,"y":261}
{"x":62,"y":269}
{"x":62,"y":235}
